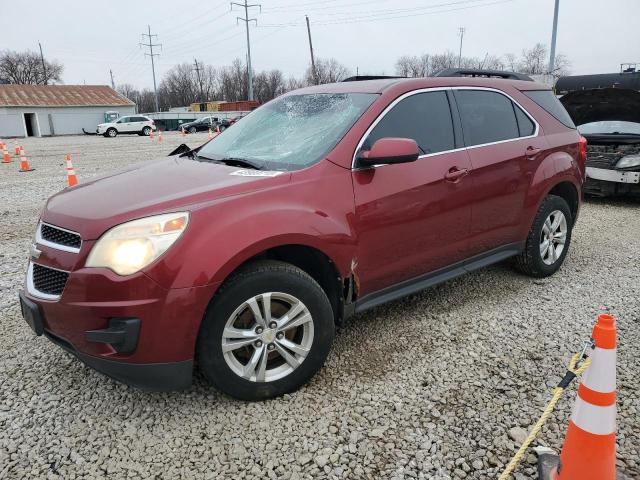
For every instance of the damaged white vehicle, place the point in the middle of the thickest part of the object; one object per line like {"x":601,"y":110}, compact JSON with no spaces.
{"x":609,"y":118}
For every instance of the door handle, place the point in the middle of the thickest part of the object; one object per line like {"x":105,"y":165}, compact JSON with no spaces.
{"x":454,"y":174}
{"x":532,"y":152}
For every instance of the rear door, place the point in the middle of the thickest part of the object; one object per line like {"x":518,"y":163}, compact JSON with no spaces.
{"x":410,"y":218}
{"x":505,"y":150}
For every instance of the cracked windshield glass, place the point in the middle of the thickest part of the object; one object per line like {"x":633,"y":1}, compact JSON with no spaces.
{"x":291,"y":132}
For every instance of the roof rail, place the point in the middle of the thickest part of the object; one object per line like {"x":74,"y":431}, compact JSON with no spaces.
{"x":360,"y":78}
{"x":473,"y":72}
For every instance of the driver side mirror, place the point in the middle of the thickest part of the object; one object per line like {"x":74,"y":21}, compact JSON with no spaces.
{"x":390,"y":150}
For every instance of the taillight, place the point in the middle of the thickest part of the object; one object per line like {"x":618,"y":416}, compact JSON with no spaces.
{"x":582,"y":155}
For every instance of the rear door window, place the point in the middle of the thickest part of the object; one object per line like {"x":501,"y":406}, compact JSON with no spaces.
{"x":549,"y":102}
{"x":424,"y":117}
{"x":525,"y":126}
{"x":487,"y":117}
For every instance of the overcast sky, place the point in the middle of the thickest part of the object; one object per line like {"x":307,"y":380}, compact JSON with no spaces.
{"x":89,"y":38}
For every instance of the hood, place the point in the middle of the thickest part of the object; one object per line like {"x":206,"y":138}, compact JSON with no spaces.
{"x":602,"y":104}
{"x":169,"y":184}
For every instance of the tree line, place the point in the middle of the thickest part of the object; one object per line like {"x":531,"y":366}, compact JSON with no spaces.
{"x":183,"y":84}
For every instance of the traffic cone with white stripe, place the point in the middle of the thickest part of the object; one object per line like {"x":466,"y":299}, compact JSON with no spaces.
{"x":589,"y":450}
{"x":210,"y":134}
{"x":159,"y":136}
{"x":24,"y":163}
{"x":6,"y":158}
{"x":182,"y":130}
{"x":72,"y":180}
{"x":151,"y":134}
{"x":17,"y":148}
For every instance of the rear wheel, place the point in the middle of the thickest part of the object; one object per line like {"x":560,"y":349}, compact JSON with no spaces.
{"x":549,"y":239}
{"x":268,"y":330}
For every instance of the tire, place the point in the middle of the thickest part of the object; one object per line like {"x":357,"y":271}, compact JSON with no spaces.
{"x":275,"y":376}
{"x":146,"y":131}
{"x":193,"y":129}
{"x":535,"y":260}
{"x":222,"y":128}
{"x":111,"y":132}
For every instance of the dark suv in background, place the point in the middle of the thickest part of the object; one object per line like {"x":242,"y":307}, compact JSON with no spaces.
{"x":327,"y":201}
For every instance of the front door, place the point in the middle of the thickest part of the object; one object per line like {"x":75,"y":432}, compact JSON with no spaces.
{"x":412,"y":218}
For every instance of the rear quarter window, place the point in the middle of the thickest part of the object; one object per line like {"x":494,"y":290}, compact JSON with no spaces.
{"x":548,"y":101}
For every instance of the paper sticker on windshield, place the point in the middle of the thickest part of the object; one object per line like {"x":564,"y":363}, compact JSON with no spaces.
{"x":256,"y":173}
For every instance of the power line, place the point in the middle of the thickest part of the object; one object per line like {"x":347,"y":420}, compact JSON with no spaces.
{"x":151,"y":54}
{"x":246,"y":21}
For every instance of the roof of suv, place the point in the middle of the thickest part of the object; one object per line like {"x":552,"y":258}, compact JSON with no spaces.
{"x":382,"y":85}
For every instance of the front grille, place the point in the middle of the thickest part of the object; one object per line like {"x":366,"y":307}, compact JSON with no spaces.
{"x":48,"y":280}
{"x":61,"y":237}
{"x":603,"y":160}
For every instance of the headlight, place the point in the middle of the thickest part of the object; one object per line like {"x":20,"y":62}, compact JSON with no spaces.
{"x":130,"y":247}
{"x":629,"y":161}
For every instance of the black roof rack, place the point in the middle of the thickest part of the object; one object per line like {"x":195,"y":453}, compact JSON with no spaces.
{"x":360,"y":78}
{"x":473,"y":72}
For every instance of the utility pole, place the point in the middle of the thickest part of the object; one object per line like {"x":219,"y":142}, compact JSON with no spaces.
{"x":151,"y":54}
{"x":554,"y":33}
{"x":113,"y":84}
{"x":44,"y":67}
{"x":461,"y":31}
{"x":313,"y":62}
{"x":197,"y":69}
{"x":246,"y":21}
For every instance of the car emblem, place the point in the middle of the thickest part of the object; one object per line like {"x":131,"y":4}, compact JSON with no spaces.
{"x":34,"y":252}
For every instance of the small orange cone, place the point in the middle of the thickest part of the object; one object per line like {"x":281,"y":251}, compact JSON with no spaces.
{"x":24,"y":163}
{"x":72,"y":180}
{"x":6,"y":158}
{"x":589,"y":450}
{"x":182,"y":130}
{"x":151,"y":134}
{"x":159,"y":136}
{"x":210,"y":134}
{"x":218,"y":128}
{"x":17,"y":148}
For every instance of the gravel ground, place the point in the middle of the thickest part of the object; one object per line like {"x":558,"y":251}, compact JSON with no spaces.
{"x":437,"y":385}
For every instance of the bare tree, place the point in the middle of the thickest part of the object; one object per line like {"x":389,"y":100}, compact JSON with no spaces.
{"x":268,"y":85}
{"x":233,"y":81}
{"x":26,"y":68}
{"x":179,"y":87}
{"x":534,"y":60}
{"x":414,"y":66}
{"x":328,"y":71}
{"x":511,"y":61}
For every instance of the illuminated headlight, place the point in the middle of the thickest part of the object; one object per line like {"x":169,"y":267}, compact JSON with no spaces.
{"x":130,"y":247}
{"x":629,"y":161}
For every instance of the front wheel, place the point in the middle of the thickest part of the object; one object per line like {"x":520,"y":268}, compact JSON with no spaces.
{"x":268,"y":330}
{"x":549,"y":239}
{"x":112,"y":132}
{"x":146,"y":131}
{"x":193,"y":129}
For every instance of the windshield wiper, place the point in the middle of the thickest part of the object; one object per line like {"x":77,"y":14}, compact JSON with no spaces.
{"x":234,"y":161}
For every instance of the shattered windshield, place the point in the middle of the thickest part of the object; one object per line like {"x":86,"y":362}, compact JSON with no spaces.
{"x":609,"y":128}
{"x":290,"y":132}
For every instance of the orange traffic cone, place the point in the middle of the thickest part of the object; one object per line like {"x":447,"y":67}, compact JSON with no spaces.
{"x":6,"y":158}
{"x":72,"y":180}
{"x":210,"y":134}
{"x":17,"y":148}
{"x":151,"y":134}
{"x":182,"y":130}
{"x":589,"y":450}
{"x":218,"y":128}
{"x":159,"y":136}
{"x":24,"y":163}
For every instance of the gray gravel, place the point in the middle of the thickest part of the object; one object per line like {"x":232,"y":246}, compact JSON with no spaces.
{"x":437,"y":385}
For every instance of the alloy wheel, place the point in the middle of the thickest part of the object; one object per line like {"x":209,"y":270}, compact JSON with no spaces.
{"x":553,"y":237}
{"x":267,"y":337}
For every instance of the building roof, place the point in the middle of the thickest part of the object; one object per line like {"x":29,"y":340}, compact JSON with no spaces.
{"x":60,"y":96}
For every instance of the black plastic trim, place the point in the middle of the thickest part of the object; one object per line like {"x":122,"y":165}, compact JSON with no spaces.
{"x":431,"y":279}
{"x":154,"y":377}
{"x":122,"y":334}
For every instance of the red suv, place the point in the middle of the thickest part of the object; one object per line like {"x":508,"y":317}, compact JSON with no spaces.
{"x":244,"y":253}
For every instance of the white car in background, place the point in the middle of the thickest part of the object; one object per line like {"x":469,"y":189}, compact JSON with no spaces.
{"x":130,"y":124}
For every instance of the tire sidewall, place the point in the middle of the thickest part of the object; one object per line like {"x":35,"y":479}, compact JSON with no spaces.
{"x":112,"y":133}
{"x":553,"y":203}
{"x":209,"y":351}
{"x":146,"y":131}
{"x":193,"y":129}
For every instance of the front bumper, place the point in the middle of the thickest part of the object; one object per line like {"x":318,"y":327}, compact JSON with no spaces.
{"x":604,"y":182}
{"x":129,"y":328}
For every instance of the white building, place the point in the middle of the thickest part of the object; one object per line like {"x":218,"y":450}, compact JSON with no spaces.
{"x":42,"y":110}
